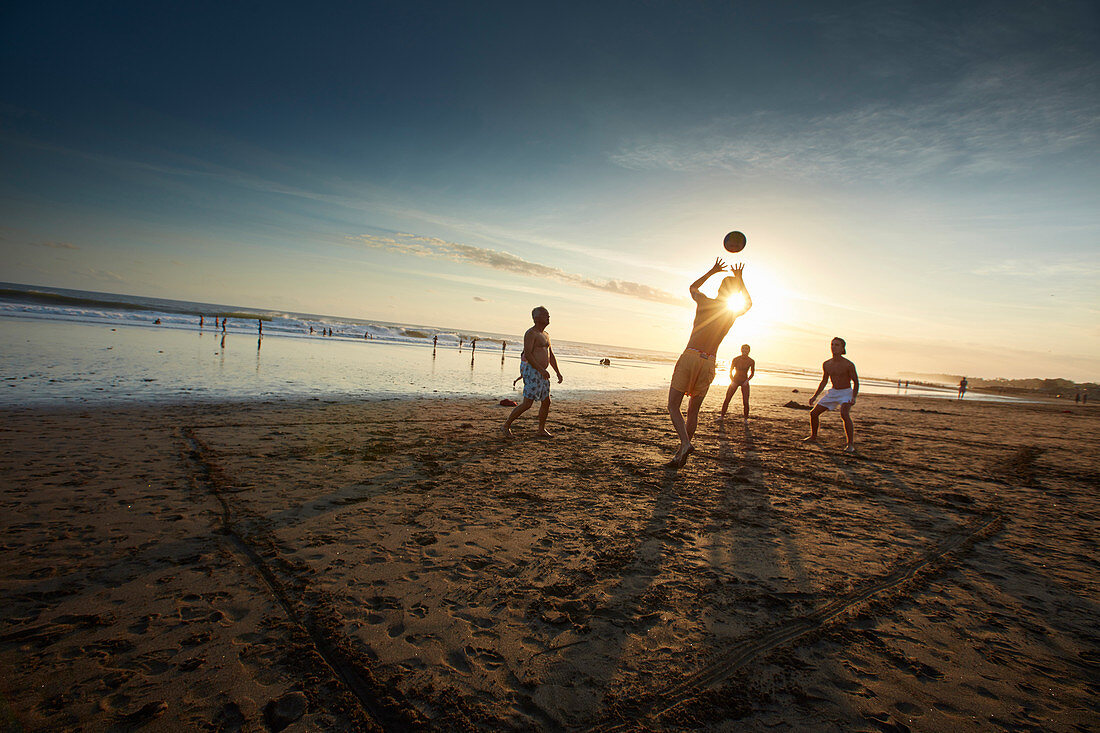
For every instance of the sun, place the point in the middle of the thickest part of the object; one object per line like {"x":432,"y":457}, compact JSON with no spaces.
{"x":736,"y":302}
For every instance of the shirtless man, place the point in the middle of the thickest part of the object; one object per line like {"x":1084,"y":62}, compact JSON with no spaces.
{"x":537,"y":356}
{"x":742,"y":369}
{"x":695,"y":368}
{"x":842,"y":394}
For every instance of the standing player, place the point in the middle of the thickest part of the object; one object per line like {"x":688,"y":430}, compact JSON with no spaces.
{"x":537,"y":357}
{"x":841,"y":395}
{"x":742,"y":369}
{"x":695,"y":368}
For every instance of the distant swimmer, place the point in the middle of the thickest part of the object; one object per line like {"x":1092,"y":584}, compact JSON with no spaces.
{"x":841,"y":395}
{"x":537,"y":357}
{"x":742,"y":369}
{"x":694,"y":369}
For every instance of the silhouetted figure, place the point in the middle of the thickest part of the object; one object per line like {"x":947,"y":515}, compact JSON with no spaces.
{"x":260,"y":326}
{"x":962,"y":387}
{"x":223,"y":325}
{"x":200,"y":321}
{"x":842,"y":394}
{"x":694,"y":369}
{"x":311,"y":330}
{"x":534,"y":365}
{"x":742,"y":369}
{"x":1077,"y":398}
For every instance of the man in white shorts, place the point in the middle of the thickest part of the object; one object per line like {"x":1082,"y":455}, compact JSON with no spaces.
{"x":842,"y":395}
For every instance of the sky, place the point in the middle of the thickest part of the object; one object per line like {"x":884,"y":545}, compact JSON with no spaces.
{"x":920,"y":178}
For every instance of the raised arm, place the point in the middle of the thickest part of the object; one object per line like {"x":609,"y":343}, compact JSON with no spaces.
{"x":738,"y":271}
{"x":719,"y":266}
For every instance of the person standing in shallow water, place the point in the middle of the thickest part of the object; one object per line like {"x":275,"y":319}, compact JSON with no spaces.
{"x":694,"y":369}
{"x":742,"y":369}
{"x":537,"y":356}
{"x":841,"y":395}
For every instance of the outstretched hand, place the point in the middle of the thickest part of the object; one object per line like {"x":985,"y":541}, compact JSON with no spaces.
{"x":719,"y":265}
{"x":738,"y":269}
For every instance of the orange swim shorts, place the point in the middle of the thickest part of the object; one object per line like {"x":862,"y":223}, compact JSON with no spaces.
{"x":693,"y":373}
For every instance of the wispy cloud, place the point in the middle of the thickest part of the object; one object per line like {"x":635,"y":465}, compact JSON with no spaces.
{"x":1027,"y":268}
{"x":55,"y":245}
{"x":479,"y":299}
{"x":996,"y":118}
{"x":506,"y":262}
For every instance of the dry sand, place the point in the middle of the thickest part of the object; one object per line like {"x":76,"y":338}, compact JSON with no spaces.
{"x":397,"y":566}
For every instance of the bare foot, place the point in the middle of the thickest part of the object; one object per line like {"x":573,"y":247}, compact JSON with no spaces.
{"x":849,"y":448}
{"x":544,"y":433}
{"x":810,"y":439}
{"x":506,"y":433}
{"x":680,"y":457}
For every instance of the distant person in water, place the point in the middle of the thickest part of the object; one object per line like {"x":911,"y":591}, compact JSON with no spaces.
{"x":694,"y":369}
{"x":535,"y":361}
{"x":962,"y":387}
{"x":742,"y":369}
{"x":841,"y":395}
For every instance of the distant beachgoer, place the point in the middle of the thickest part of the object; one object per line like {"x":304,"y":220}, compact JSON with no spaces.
{"x":260,"y":326}
{"x":157,"y":322}
{"x":841,"y":395}
{"x":907,"y":384}
{"x":962,"y":387}
{"x":694,"y":369}
{"x":537,"y":356}
{"x":223,"y":325}
{"x":1077,"y":398}
{"x":200,"y":321}
{"x":473,"y":344}
{"x":742,"y":369}
{"x":503,"y":346}
{"x":311,"y":330}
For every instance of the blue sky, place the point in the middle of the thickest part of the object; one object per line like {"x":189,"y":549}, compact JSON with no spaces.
{"x":921,"y":178}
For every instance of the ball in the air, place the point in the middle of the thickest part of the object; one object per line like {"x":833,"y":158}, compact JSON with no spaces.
{"x":734,"y":242}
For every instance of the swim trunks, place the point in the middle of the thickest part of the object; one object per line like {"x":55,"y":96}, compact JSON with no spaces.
{"x":535,"y":386}
{"x":693,"y":373}
{"x":834,"y":398}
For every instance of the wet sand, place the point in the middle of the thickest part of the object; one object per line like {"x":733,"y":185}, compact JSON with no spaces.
{"x":395,"y":566}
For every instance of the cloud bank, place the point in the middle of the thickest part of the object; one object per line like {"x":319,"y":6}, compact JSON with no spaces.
{"x":506,"y":262}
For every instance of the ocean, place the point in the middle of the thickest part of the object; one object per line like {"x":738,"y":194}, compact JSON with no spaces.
{"x":70,"y":347}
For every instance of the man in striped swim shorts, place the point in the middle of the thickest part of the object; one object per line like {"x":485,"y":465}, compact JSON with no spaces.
{"x":695,"y":368}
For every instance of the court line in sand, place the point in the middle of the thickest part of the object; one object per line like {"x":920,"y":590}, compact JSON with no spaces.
{"x":379,"y":701}
{"x":357,"y":681}
{"x":731,"y":660}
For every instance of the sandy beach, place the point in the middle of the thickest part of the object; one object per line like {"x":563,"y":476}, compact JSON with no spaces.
{"x":396,"y":565}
